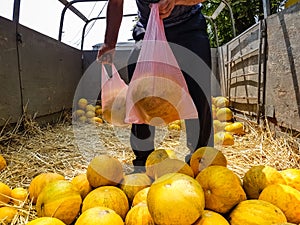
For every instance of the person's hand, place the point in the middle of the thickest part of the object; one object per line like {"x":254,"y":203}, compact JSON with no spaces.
{"x":165,"y":8}
{"x":106,"y":54}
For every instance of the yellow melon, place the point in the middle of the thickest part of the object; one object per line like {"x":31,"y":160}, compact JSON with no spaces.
{"x":155,"y":157}
{"x":211,"y":218}
{"x":7,"y":214}
{"x":220,"y":126}
{"x":284,"y":223}
{"x":217,"y":126}
{"x":140,"y":196}
{"x":82,"y":119}
{"x":290,"y":3}
{"x":177,"y":123}
{"x":221,"y":102}
{"x":206,"y":156}
{"x":3,"y":163}
{"x":90,"y":114}
{"x":160,"y":108}
{"x":222,"y":188}
{"x":172,"y":166}
{"x":258,"y":177}
{"x":97,"y":120}
{"x":99,"y":216}
{"x":235,"y":128}
{"x":40,"y":181}
{"x":5,"y":193}
{"x":98,"y":112}
{"x":82,"y":103}
{"x":82,"y":184}
{"x":214,"y":112}
{"x":104,"y":170}
{"x":175,"y":198}
{"x":173,"y":126}
{"x":46,"y":221}
{"x":79,"y":113}
{"x":107,"y":196}
{"x":114,"y":110}
{"x":19,"y":195}
{"x":224,"y":114}
{"x":292,"y":177}
{"x":171,"y":153}
{"x":90,"y":107}
{"x":59,"y":199}
{"x":132,"y":183}
{"x":140,"y":215}
{"x":223,"y":138}
{"x":284,"y":197}
{"x":256,"y":212}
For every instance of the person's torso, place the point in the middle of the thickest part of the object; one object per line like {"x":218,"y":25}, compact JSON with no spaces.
{"x":179,"y":14}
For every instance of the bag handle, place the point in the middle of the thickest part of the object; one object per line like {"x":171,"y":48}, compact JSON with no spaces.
{"x":108,"y":73}
{"x":155,"y":27}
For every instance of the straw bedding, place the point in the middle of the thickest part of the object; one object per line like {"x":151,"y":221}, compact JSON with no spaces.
{"x":67,"y":148}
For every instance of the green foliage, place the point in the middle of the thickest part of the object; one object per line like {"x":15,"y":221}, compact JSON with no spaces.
{"x":245,"y":12}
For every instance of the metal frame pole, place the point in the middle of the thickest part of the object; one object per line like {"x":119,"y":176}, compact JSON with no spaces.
{"x":231,"y":16}
{"x":64,"y":12}
{"x":266,"y":7}
{"x":96,"y":18}
{"x":16,"y":13}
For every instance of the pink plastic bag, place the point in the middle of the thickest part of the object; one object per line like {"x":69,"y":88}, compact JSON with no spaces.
{"x":157,"y":93}
{"x":113,"y":97}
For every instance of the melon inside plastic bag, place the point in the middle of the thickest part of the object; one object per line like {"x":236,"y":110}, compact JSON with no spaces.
{"x":157,"y":93}
{"x":113,"y":97}
{"x":160,"y":108}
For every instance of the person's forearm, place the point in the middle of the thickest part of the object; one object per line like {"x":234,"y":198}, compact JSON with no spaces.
{"x":113,"y":21}
{"x":188,"y":2}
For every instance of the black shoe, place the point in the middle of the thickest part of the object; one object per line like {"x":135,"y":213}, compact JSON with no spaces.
{"x":188,"y":158}
{"x":139,"y":169}
{"x":139,"y":166}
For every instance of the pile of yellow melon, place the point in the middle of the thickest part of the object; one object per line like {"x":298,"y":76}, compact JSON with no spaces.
{"x":176,"y":125}
{"x":225,"y":127}
{"x":86,"y":112}
{"x":10,"y":198}
{"x":224,"y":123}
{"x":170,"y":192}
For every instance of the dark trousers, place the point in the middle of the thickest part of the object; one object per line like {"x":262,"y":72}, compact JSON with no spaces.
{"x":190,"y":45}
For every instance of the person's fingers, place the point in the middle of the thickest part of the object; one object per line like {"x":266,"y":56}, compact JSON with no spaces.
{"x":105,"y":56}
{"x":165,"y":9}
{"x":105,"y":59}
